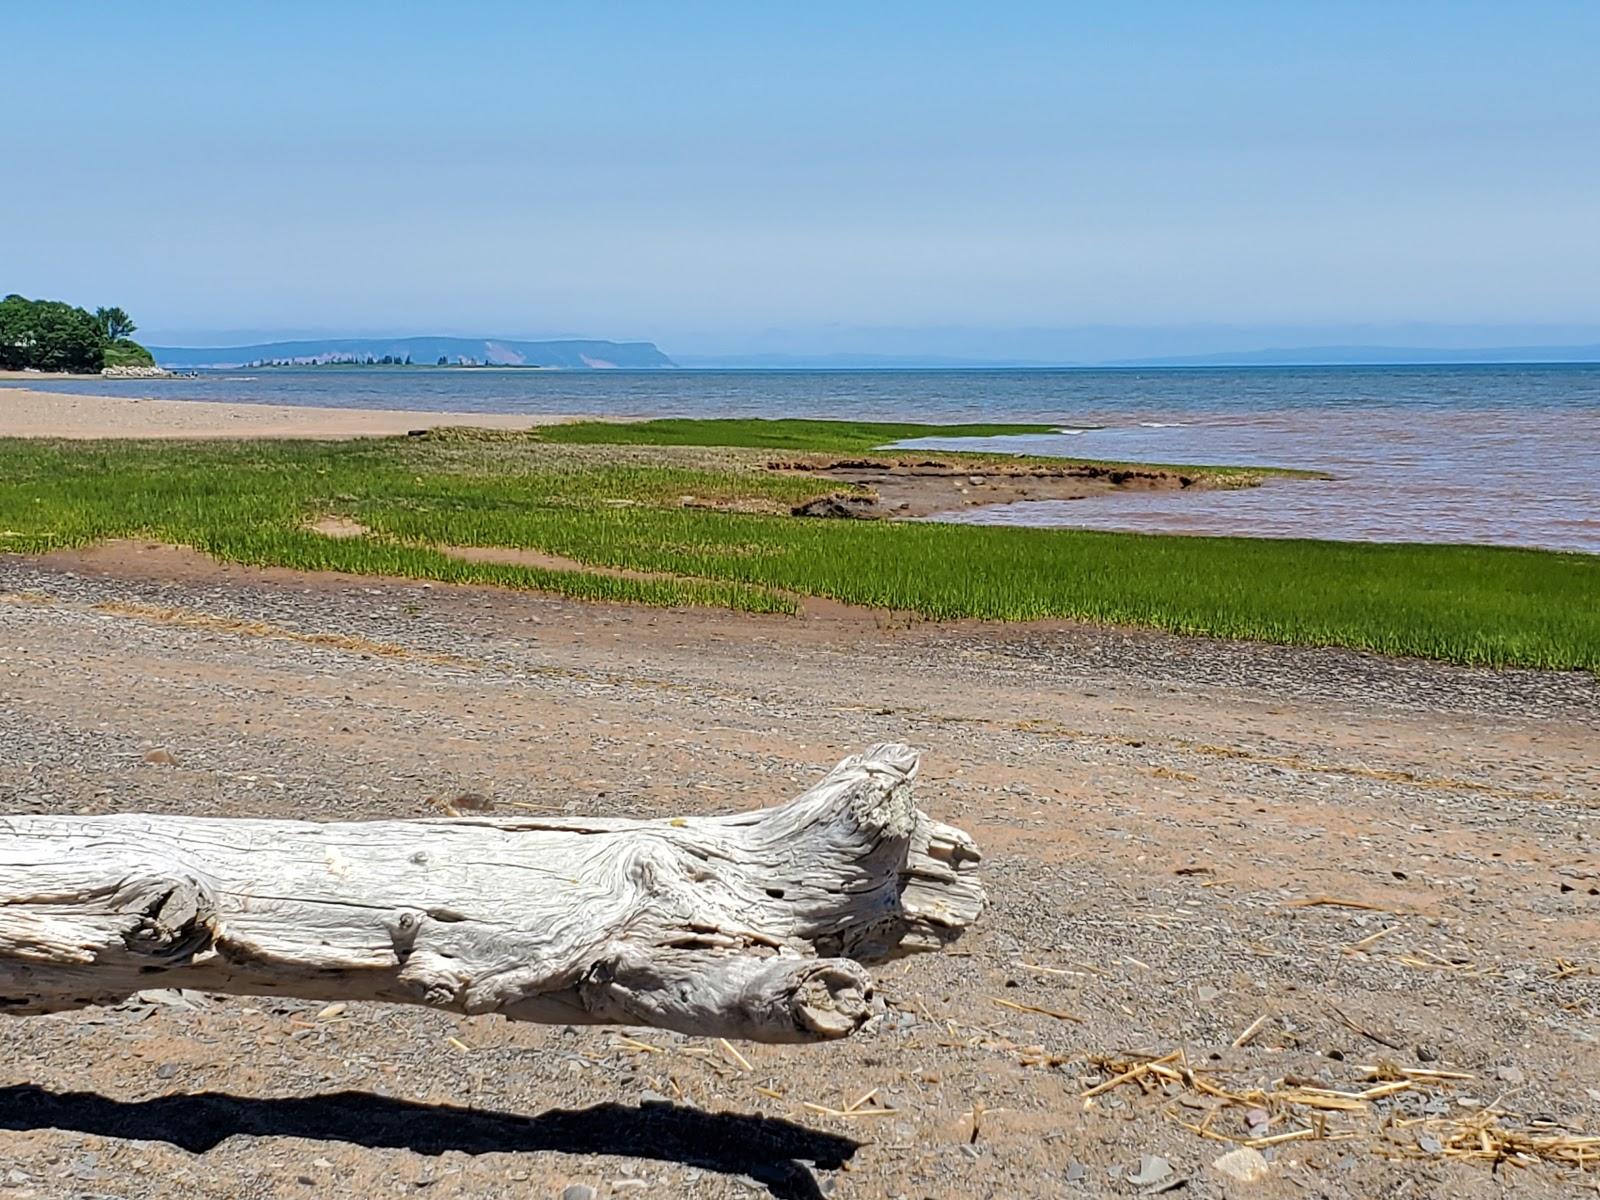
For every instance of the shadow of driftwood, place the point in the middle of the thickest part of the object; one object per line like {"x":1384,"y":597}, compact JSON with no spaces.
{"x":771,"y":1151}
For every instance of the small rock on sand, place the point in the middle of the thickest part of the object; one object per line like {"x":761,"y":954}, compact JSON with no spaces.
{"x":848,"y":508}
{"x":1152,"y":1169}
{"x":1244,"y":1165}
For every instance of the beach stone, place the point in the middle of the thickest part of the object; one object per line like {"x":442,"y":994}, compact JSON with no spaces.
{"x":1152,"y":1169}
{"x":131,"y":372}
{"x":1243,"y":1165}
{"x":577,"y":1191}
{"x":184,"y":998}
{"x":836,"y":507}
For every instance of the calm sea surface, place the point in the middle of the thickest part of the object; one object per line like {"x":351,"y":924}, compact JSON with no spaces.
{"x":1494,"y":454}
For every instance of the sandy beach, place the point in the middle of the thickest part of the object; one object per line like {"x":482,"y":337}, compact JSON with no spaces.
{"x":31,"y":414}
{"x":1309,"y":871}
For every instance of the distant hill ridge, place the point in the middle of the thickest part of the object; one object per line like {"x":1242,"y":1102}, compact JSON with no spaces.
{"x":575,"y":355}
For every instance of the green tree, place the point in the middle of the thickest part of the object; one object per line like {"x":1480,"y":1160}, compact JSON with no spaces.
{"x":47,"y":335}
{"x":114,"y":323}
{"x":16,"y":333}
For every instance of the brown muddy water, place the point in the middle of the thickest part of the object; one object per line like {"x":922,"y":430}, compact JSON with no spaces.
{"x":1500,"y":475}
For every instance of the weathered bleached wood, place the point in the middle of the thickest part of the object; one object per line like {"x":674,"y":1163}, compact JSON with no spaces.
{"x":750,"y":926}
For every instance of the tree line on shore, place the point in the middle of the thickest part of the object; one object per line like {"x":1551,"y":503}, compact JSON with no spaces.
{"x":338,"y":360}
{"x":366,"y":360}
{"x":52,"y":335}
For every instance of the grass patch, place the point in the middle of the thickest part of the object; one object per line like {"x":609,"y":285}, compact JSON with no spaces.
{"x":126,"y":353}
{"x":643,"y":510}
{"x":249,"y":502}
{"x":761,"y":433}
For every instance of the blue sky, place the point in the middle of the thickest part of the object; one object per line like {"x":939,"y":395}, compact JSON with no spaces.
{"x":735,"y":177}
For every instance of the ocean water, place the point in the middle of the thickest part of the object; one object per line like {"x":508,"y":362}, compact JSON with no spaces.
{"x":1505,"y":455}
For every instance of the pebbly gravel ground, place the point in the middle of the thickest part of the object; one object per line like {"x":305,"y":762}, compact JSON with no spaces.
{"x":1370,"y":863}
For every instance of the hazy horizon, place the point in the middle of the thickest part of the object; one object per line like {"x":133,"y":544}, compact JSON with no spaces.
{"x":1085,"y":345}
{"x":1033,"y":181}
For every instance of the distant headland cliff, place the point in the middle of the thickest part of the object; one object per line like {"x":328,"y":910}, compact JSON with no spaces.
{"x":420,"y":351}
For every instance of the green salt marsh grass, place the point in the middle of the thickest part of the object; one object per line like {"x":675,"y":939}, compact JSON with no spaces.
{"x":780,"y":433}
{"x":251,"y":502}
{"x":800,"y":435}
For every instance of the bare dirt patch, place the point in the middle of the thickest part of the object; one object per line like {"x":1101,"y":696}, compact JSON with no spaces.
{"x":921,"y":487}
{"x":337,"y":527}
{"x":129,"y":558}
{"x":539,"y":560}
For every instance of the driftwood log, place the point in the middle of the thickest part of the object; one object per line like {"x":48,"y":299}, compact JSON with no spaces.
{"x":750,"y":926}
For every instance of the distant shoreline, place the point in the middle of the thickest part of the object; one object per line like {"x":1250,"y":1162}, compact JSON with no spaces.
{"x":695,"y":368}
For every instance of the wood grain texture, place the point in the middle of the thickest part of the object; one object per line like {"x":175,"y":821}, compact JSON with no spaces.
{"x":751,"y":926}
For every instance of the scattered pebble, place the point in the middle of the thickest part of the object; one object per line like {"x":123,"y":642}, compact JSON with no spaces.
{"x":1245,"y":1165}
{"x":1153,"y":1169}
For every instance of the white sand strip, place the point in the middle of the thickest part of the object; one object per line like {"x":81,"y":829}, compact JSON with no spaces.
{"x":32,"y":414}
